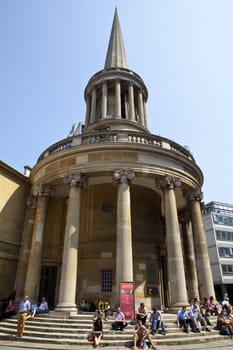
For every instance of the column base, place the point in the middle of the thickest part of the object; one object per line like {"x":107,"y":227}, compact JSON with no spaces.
{"x":174,"y":308}
{"x":66,"y":308}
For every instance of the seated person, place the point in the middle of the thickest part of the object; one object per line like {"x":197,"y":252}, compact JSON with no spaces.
{"x":223,"y":320}
{"x":97,"y":331}
{"x":226,"y":302}
{"x":212,"y":307}
{"x":141,"y":313}
{"x":38,"y":310}
{"x":184,"y":320}
{"x":102,"y":310}
{"x":120,"y":322}
{"x":32,"y":312}
{"x":141,"y":334}
{"x":204,"y":309}
{"x":196,"y":316}
{"x":43,"y":307}
{"x":156,"y":320}
{"x":10,"y":310}
{"x":229,"y":316}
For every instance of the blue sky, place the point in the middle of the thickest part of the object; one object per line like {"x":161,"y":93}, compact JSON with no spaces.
{"x":181,"y":48}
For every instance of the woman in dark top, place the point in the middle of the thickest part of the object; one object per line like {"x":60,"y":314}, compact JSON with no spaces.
{"x":97,"y":331}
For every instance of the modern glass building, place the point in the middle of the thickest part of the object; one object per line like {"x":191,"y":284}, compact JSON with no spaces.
{"x":218,"y":224}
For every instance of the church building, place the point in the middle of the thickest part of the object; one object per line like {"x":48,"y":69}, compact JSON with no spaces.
{"x":111,"y":203}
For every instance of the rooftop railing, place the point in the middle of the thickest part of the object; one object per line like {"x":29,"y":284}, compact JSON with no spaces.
{"x":117,"y":137}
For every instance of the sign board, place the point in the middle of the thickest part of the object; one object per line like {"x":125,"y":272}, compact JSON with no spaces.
{"x":127,"y":299}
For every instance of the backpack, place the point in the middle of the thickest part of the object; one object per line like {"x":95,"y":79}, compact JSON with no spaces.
{"x":224,"y":330}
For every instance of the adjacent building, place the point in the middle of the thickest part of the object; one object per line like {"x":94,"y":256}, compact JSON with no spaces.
{"x":218,"y":224}
{"x":111,"y":203}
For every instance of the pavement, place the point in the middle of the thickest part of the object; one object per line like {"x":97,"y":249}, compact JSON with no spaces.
{"x":225,"y":344}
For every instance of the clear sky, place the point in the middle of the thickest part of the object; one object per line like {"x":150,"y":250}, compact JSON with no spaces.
{"x":181,"y":48}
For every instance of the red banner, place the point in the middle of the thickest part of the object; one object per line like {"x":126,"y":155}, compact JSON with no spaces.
{"x":127,"y":299}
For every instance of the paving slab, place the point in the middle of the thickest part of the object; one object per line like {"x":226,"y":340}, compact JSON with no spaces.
{"x":225,"y":344}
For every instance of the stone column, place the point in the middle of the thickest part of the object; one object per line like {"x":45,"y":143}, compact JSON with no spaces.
{"x":205,"y":279}
{"x":131,"y":103}
{"x":69,"y":270}
{"x":104,"y":101}
{"x":88,"y":102}
{"x":140,"y":107}
{"x":34,"y":263}
{"x":25,"y":247}
{"x":189,"y":258}
{"x":144,"y":113}
{"x":176,"y":275}
{"x":118,"y":99}
{"x":93,"y":106}
{"x":124,"y":254}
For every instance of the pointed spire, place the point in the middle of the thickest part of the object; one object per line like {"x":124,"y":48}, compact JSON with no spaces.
{"x":116,"y":57}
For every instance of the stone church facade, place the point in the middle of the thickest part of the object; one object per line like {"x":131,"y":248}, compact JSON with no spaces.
{"x":113,"y":203}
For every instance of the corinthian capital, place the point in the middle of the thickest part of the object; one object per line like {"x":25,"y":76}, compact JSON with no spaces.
{"x":43,"y":189}
{"x":123,"y":176}
{"x":76,"y":179}
{"x":31,"y":202}
{"x":194,"y":195}
{"x":168,"y":182}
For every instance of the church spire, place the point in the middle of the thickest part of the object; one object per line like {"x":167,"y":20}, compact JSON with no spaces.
{"x":116,"y":57}
{"x":116,"y":96}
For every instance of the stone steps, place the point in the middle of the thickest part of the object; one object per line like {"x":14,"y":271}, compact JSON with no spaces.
{"x":53,"y":329}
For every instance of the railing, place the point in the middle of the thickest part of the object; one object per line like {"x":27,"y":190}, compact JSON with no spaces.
{"x":117,"y":137}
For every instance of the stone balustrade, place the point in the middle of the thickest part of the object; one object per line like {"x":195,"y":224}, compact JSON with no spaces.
{"x":117,"y":137}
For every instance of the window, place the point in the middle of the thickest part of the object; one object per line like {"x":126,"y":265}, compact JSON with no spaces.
{"x":224,"y":235}
{"x":106,"y":280}
{"x":227,"y":270}
{"x":225,"y":252}
{"x":223,"y":220}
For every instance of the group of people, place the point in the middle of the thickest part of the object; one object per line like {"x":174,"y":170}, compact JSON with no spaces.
{"x":141,"y":333}
{"x":225,"y":317}
{"x":27,"y":311}
{"x":197,"y":319}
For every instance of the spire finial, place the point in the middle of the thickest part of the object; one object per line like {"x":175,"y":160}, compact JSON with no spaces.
{"x":116,"y":57}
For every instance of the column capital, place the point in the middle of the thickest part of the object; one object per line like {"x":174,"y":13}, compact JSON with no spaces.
{"x":123,"y":176}
{"x":31,"y":202}
{"x":194,"y":194}
{"x":131,"y":83}
{"x":76,"y":179}
{"x":184,"y":217}
{"x":168,"y":182}
{"x":43,"y":190}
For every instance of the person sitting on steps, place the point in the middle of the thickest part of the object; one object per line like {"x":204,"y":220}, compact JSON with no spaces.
{"x":120,"y":322}
{"x":141,"y":334}
{"x":97,"y":332}
{"x":156,"y":320}
{"x":183,"y":320}
{"x":197,"y":318}
{"x":141,"y":313}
